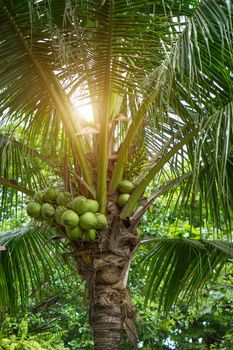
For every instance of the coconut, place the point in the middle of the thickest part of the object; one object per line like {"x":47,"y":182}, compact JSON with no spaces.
{"x":80,"y":205}
{"x":38,"y":197}
{"x":85,"y":237}
{"x":63,"y":198}
{"x":101,"y":221}
{"x":88,"y":221}
{"x":125,"y":186}
{"x":58,"y":213}
{"x":93,"y":205}
{"x":33,"y":210}
{"x":122,"y":199}
{"x":69,"y":218}
{"x":89,"y":235}
{"x":47,"y":211}
{"x":50,"y":194}
{"x":74,"y":232}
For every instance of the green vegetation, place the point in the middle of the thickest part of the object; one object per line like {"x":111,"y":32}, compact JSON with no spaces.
{"x":199,"y":324}
{"x":14,"y":336}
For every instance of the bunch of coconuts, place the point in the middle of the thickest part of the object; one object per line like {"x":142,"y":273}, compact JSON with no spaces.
{"x":78,"y":215}
{"x":125,"y":187}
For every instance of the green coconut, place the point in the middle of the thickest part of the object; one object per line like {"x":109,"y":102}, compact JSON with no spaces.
{"x":38,"y":197}
{"x":88,"y":221}
{"x":123,"y":199}
{"x":74,"y":232}
{"x":125,"y":186}
{"x":50,"y":194}
{"x":85,"y":237}
{"x":80,"y":205}
{"x":101,"y":221}
{"x":58,"y":213}
{"x":89,"y":235}
{"x":93,"y":205}
{"x":69,"y":218}
{"x":47,"y":211}
{"x":33,"y":210}
{"x":64,"y":198}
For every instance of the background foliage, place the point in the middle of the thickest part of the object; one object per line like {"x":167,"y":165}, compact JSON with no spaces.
{"x":201,"y":324}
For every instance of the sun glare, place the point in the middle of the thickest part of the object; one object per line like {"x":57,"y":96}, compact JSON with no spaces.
{"x":84,"y":109}
{"x":86,"y":112}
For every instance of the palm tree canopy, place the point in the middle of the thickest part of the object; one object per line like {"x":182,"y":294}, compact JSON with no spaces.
{"x":164,"y":61}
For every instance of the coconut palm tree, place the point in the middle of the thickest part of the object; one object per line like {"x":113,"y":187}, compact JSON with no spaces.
{"x":158,"y":77}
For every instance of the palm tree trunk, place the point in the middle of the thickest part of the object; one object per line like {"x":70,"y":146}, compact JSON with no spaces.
{"x":106,"y":322}
{"x":104,"y":265}
{"x":111,"y":309}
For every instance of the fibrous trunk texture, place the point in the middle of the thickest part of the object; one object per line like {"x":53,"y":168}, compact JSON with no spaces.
{"x":106,"y":321}
{"x":104,"y":265}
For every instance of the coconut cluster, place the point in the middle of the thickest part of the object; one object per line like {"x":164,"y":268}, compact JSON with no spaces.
{"x":79,"y":215}
{"x":125,"y":187}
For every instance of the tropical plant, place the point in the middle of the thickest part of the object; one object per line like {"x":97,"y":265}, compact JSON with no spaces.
{"x":14,"y":335}
{"x":158,"y":75}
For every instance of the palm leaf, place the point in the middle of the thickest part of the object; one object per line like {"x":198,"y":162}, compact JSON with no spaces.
{"x":207,"y":157}
{"x":27,"y":262}
{"x":158,"y":164}
{"x":184,"y":74}
{"x":208,"y":193}
{"x":22,"y":171}
{"x":38,"y":92}
{"x":181,"y":267}
{"x":22,"y":164}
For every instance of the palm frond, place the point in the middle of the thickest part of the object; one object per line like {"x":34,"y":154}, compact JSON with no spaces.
{"x":119,"y":30}
{"x":34,"y":88}
{"x":200,"y":60}
{"x":27,"y":262}
{"x":208,"y":193}
{"x":22,"y":171}
{"x":185,"y":82}
{"x":22,"y":163}
{"x":181,"y":267}
{"x":207,"y":157}
{"x":170,"y":150}
{"x":172,"y":183}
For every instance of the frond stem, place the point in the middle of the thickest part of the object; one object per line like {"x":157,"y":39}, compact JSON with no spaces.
{"x":13,"y":184}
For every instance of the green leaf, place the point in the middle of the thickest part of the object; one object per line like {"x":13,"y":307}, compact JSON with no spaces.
{"x":179,"y":268}
{"x":28,"y":259}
